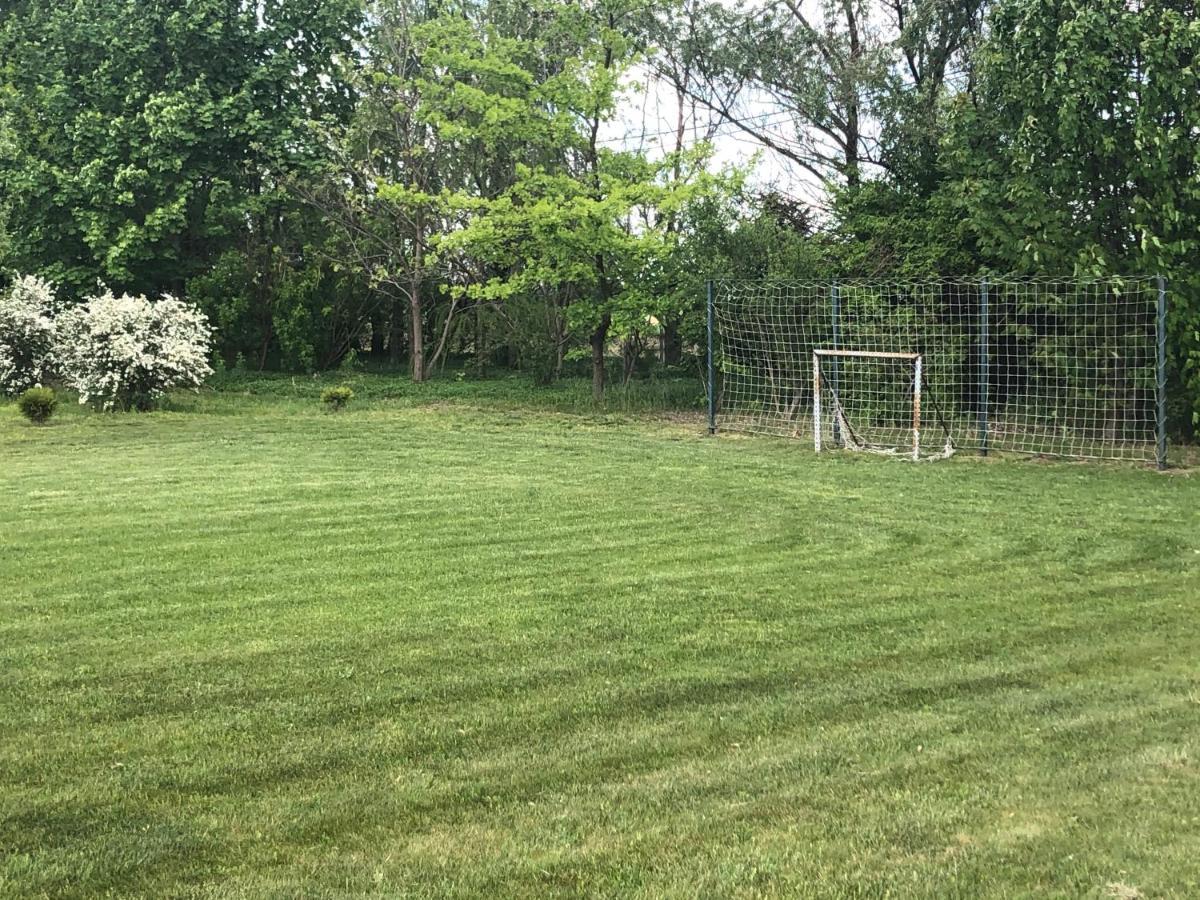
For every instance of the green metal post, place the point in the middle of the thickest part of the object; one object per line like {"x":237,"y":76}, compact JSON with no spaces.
{"x":1160,"y":380}
{"x":984,"y":368}
{"x":712,"y":365}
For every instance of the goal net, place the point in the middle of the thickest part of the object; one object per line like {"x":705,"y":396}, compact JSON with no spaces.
{"x":1065,"y":367}
{"x":872,"y":402}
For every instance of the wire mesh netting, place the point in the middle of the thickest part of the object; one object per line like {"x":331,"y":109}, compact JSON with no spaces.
{"x":1062,"y":367}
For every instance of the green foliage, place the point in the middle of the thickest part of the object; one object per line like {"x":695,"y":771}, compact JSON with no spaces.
{"x":336,"y":398}
{"x":144,"y":144}
{"x":432,"y":180}
{"x":1078,"y":153}
{"x":884,"y":229}
{"x":595,"y":227}
{"x":37,"y":404}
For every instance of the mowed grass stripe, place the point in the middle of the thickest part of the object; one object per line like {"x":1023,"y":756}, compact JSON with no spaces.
{"x":462,"y":651}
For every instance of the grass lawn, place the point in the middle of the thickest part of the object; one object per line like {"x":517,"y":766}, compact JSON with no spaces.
{"x":251,"y":649}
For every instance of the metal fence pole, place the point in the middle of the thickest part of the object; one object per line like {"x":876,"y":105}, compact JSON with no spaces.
{"x":984,"y":367}
{"x":712,"y":365}
{"x":1160,"y":380}
{"x":835,"y":302}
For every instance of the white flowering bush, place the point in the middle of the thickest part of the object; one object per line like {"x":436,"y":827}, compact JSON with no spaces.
{"x":27,"y":334}
{"x":127,"y":352}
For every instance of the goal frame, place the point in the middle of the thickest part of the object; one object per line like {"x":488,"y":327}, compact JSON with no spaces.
{"x":819,"y":382}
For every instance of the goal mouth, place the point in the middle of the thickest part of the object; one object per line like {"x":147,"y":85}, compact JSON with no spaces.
{"x":870,"y":401}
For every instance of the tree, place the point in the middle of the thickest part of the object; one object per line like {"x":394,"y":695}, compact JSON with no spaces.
{"x":147,"y":141}
{"x":390,"y":173}
{"x":765,"y":67}
{"x":1078,"y":151}
{"x":588,"y":223}
{"x":933,"y":48}
{"x":846,"y":90}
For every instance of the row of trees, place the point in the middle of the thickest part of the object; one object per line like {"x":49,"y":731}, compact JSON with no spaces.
{"x":420,"y":178}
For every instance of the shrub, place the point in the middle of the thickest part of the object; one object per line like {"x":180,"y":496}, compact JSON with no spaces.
{"x":127,"y":352}
{"x":27,"y":334}
{"x":337,"y":397}
{"x":37,"y":404}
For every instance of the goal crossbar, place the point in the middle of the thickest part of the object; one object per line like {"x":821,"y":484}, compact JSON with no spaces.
{"x":867,"y":353}
{"x":818,"y":379}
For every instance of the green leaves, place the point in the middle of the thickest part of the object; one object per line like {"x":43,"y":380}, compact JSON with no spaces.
{"x":140,"y":137}
{"x":1074,"y":156}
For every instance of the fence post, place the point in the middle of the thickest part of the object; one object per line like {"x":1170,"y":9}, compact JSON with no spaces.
{"x":984,"y":367}
{"x":712,"y":365}
{"x":1160,"y":376}
{"x":835,"y":302}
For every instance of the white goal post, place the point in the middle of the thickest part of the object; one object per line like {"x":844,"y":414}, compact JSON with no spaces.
{"x":819,"y":385}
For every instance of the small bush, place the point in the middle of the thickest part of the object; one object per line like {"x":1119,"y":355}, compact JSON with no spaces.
{"x":337,"y":397}
{"x":37,"y":404}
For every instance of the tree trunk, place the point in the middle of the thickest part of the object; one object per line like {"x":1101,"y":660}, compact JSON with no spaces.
{"x":264,"y":345}
{"x":417,"y":327}
{"x":556,"y":369}
{"x":852,"y":99}
{"x":481,"y":350}
{"x":599,"y":340}
{"x":631,"y":353}
{"x":377,"y":338}
{"x":396,"y":333}
{"x":558,"y":333}
{"x":417,"y":338}
{"x":672,"y":344}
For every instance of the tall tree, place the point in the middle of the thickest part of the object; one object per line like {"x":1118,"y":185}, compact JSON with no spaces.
{"x":837,"y":87}
{"x":445,"y":113}
{"x":387,"y":171}
{"x":584,"y":221}
{"x":764,"y":67}
{"x":147,"y":138}
{"x":1079,"y":150}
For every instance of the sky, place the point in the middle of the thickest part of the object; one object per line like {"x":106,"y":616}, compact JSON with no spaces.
{"x":646,"y":119}
{"x":648,"y":114}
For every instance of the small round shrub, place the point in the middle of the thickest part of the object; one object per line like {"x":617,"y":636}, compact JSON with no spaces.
{"x":337,"y":397}
{"x":37,"y":404}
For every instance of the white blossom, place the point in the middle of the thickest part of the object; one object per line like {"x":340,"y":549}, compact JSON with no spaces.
{"x":27,"y":334}
{"x":126,"y":352}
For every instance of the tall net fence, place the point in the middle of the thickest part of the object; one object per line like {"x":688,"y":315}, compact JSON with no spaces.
{"x":1064,"y":367}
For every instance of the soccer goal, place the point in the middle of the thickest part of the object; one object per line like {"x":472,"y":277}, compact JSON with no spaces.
{"x":871,"y":401}
{"x":1048,"y":366}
